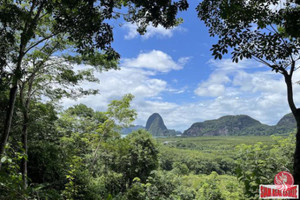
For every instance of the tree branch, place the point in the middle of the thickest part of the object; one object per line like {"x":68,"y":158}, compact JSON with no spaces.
{"x":290,"y":98}
{"x":292,"y":68}
{"x":39,"y":42}
{"x":282,"y":39}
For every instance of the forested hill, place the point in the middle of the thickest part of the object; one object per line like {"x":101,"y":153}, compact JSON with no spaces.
{"x":240,"y":125}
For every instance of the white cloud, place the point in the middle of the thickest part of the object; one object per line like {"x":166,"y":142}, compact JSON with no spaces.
{"x":257,"y":92}
{"x":155,"y":60}
{"x":245,"y":88}
{"x":177,"y":91}
{"x":152,"y":31}
{"x":183,"y":60}
{"x":115,"y":84}
{"x":213,"y":90}
{"x":228,"y":65}
{"x":220,"y":82}
{"x":137,"y":76}
{"x":215,"y":85}
{"x":263,"y":81}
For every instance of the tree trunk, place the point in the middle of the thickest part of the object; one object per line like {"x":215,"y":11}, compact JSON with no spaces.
{"x":25,"y":109}
{"x":296,"y":166}
{"x":17,"y":75}
{"x":8,"y":120}
{"x":296,"y":113}
{"x":25,"y":147}
{"x":26,"y":35}
{"x":297,"y":153}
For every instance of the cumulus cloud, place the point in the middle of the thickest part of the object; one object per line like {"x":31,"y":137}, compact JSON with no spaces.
{"x":261,"y":95}
{"x":214,"y":86}
{"x":159,"y":31}
{"x":137,"y":76}
{"x":155,"y":60}
{"x":115,"y":84}
{"x":210,"y":90}
{"x":245,"y":88}
{"x":228,"y":65}
{"x":231,"y":89}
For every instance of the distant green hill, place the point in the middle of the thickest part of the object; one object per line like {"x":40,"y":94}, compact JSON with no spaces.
{"x":131,"y":128}
{"x":287,"y":120}
{"x":156,"y":126}
{"x":240,"y":125}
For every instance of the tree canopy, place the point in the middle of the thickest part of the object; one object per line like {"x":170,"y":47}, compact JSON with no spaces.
{"x":252,"y":29}
{"x":31,"y":32}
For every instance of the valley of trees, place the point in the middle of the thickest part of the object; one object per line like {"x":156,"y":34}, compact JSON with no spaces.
{"x":80,"y":155}
{"x":47,"y":152}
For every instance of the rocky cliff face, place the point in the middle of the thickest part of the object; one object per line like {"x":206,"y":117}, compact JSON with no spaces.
{"x":156,"y":126}
{"x":155,"y":123}
{"x":239,"y":125}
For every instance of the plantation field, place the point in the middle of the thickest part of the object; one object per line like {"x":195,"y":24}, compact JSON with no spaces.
{"x":213,"y":144}
{"x":203,"y":155}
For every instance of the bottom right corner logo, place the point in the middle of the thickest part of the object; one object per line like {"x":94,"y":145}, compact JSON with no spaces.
{"x":284,"y":188}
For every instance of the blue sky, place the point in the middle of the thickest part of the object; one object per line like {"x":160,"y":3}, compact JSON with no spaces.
{"x":172,"y":72}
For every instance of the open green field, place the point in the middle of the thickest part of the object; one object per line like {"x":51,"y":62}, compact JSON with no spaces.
{"x":203,"y":155}
{"x":210,"y":144}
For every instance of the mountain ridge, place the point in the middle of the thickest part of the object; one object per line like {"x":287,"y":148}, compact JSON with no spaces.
{"x":223,"y":126}
{"x":240,"y":125}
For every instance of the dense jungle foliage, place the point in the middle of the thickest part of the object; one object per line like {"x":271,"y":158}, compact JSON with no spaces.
{"x":81,"y":155}
{"x":49,"y":153}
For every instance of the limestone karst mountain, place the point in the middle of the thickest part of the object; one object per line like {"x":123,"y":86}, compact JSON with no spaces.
{"x":226,"y":125}
{"x":240,"y":125}
{"x":156,"y":126}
